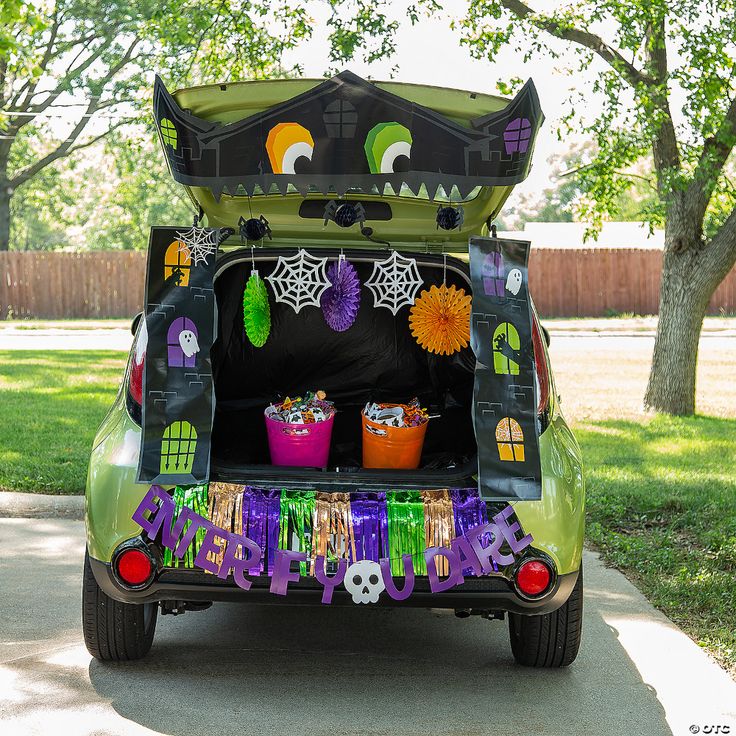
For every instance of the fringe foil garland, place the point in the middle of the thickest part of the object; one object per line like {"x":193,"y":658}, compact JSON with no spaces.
{"x":359,"y":526}
{"x":333,"y":536}
{"x":226,"y":512}
{"x":406,"y":530}
{"x":196,"y":499}
{"x":261,"y":511}
{"x":469,"y":510}
{"x":439,"y":525}
{"x":295,"y":523}
{"x":370,"y":526}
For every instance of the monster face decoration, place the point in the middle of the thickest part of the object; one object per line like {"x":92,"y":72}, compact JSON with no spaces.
{"x":346,"y":133}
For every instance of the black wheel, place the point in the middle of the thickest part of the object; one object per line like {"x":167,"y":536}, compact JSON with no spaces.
{"x":114,"y":631}
{"x":552,"y":639}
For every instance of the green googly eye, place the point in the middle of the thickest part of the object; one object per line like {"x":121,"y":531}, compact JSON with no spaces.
{"x":384,"y":144}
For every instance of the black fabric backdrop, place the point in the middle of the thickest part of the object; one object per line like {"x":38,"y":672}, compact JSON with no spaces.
{"x":377,"y":358}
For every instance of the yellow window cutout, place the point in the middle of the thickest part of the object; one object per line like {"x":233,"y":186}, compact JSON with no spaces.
{"x":510,"y":439}
{"x":177,"y":264}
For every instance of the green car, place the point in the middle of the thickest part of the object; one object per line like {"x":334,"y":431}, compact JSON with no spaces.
{"x":336,"y":259}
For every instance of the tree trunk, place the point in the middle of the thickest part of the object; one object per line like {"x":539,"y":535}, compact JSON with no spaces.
{"x":683,"y":298}
{"x":5,"y":195}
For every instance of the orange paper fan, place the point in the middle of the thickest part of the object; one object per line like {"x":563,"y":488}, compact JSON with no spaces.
{"x":440,"y":319}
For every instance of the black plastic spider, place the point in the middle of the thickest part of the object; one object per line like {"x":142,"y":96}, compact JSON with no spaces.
{"x":344,"y":214}
{"x":254,"y":228}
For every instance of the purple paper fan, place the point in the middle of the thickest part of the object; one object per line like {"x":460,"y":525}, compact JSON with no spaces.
{"x":340,"y":301}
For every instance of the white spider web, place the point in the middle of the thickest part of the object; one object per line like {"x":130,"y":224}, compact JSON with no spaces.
{"x":394,"y":282}
{"x":201,"y":242}
{"x":300,"y":280}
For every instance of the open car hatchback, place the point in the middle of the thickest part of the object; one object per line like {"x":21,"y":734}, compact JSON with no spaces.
{"x":339,"y":390}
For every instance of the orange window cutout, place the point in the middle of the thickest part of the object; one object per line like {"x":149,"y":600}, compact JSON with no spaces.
{"x":510,"y":440}
{"x":177,"y":264}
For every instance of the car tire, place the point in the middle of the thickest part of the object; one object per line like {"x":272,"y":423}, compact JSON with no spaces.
{"x":114,"y":631}
{"x":552,"y":639}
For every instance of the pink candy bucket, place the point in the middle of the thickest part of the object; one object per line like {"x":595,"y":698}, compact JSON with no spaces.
{"x":305,"y":445}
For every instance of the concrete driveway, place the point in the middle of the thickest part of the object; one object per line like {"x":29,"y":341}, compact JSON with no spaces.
{"x":284,"y":670}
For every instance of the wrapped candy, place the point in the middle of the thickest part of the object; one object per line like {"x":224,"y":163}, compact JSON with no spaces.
{"x":312,"y":407}
{"x":397,"y":415}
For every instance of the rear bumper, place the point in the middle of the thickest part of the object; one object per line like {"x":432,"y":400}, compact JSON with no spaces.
{"x":488,"y":593}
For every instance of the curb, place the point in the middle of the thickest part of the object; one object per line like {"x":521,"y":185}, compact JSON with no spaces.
{"x":40,"y":506}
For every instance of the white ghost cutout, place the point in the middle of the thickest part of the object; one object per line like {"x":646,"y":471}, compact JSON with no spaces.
{"x":364,"y":581}
{"x":513,"y":281}
{"x":188,"y":342}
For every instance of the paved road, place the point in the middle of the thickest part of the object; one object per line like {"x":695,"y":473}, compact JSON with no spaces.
{"x":285,"y":670}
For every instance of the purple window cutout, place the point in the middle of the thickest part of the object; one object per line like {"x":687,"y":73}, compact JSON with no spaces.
{"x":182,"y":343}
{"x":494,"y":275}
{"x":517,"y":135}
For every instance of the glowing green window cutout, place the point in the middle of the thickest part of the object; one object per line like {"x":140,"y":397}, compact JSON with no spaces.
{"x":168,"y":132}
{"x":506,"y":346}
{"x":178,"y":445}
{"x":384,"y":143}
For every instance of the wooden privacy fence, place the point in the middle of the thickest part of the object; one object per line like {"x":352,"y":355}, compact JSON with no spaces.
{"x":565,"y":282}
{"x":71,"y":285}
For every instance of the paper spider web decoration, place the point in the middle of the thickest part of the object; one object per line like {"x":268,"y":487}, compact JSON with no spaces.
{"x":300,"y":280}
{"x":201,"y":242}
{"x":394,"y":282}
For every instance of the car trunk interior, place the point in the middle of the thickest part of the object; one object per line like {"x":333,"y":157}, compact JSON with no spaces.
{"x":376,"y":359}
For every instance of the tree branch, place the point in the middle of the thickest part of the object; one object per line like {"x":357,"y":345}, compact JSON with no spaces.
{"x":43,"y":63}
{"x":65,"y":147}
{"x":590,"y":41}
{"x":664,"y":147}
{"x":720,"y":252}
{"x":716,"y":151}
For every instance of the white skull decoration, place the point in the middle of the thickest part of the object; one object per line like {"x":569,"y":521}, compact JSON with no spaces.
{"x":363,"y":580}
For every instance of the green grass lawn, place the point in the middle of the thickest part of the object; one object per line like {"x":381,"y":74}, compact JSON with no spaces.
{"x":661,"y":506}
{"x":661,"y":491}
{"x":51,"y":404}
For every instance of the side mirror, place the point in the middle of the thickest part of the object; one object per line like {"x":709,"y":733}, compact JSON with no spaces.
{"x":545,"y":332}
{"x":136,"y":321}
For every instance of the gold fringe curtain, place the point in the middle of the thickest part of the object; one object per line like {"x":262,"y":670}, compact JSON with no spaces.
{"x":334,"y":537}
{"x":226,"y":511}
{"x":439,"y":524}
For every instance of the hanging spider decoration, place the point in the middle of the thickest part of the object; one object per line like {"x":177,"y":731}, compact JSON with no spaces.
{"x":344,"y":214}
{"x":256,"y":228}
{"x":448,"y":218}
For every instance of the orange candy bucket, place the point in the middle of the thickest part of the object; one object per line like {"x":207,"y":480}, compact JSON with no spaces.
{"x":392,"y":447}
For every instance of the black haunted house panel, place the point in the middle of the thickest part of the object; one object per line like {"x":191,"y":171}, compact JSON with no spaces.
{"x":505,"y":393}
{"x":177,"y":384}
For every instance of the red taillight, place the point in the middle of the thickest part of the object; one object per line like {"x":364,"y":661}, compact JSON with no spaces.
{"x":134,"y":567}
{"x":137,"y":364}
{"x":533,"y":577}
{"x":540,"y":361}
{"x":135,"y":379}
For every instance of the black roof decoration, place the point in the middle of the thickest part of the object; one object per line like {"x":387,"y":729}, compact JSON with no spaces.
{"x":346,"y":133}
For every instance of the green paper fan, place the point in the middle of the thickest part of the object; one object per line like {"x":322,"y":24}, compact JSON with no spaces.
{"x":256,"y":311}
